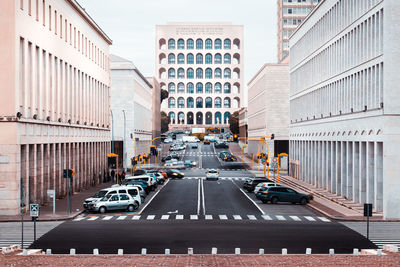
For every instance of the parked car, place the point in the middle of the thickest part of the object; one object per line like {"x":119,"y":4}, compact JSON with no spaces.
{"x":195,"y":145}
{"x":168,"y":140}
{"x":170,"y":156}
{"x":221,"y":145}
{"x":172,"y":173}
{"x":140,"y":184}
{"x":229,"y":157}
{"x":148,"y":178}
{"x":159,"y":176}
{"x":264,"y":185}
{"x":212,"y":174}
{"x":222,"y":154}
{"x":251,"y":184}
{"x":277,"y":194}
{"x":115,"y":202}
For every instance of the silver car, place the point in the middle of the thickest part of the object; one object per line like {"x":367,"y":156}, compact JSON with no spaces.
{"x":115,"y":202}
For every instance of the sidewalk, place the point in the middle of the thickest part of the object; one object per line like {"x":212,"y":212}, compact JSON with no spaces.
{"x":327,"y":203}
{"x":46,"y":211}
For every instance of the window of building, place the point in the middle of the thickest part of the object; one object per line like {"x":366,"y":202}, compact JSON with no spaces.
{"x":218,"y":59}
{"x":199,"y":102}
{"x":227,"y":115}
{"x":218,"y":73}
{"x":208,"y":88}
{"x":190,"y":73}
{"x":217,"y":102}
{"x":171,"y":117}
{"x":181,"y":73}
{"x":218,"y":44}
{"x":190,"y":88}
{"x":227,"y":73}
{"x":199,"y":73}
{"x":190,"y":102}
{"x":181,"y":88}
{"x":208,"y":59}
{"x":190,"y":44}
{"x":227,"y":59}
{"x":208,"y":44}
{"x":199,"y":44}
{"x":171,"y":44}
{"x":171,"y":88}
{"x":190,"y":59}
{"x":171,"y":73}
{"x":171,"y":102}
{"x":181,"y":118}
{"x":218,"y":117}
{"x":199,"y":59}
{"x":218,"y":88}
{"x":181,"y":59}
{"x":208,"y":73}
{"x":171,"y":59}
{"x":208,"y":102}
{"x":199,"y":88}
{"x":181,"y":102}
{"x":181,"y":44}
{"x":227,"y":88}
{"x":227,"y":102}
{"x":227,"y":44}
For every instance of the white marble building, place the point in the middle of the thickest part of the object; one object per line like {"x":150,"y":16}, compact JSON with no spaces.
{"x":344,"y":101}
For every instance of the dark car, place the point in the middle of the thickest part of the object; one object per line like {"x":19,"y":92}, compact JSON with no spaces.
{"x":169,"y":157}
{"x":172,"y":173}
{"x":221,"y":145}
{"x":206,"y":142}
{"x":277,"y":194}
{"x":229,"y":157}
{"x":251,"y":184}
{"x":221,"y":155}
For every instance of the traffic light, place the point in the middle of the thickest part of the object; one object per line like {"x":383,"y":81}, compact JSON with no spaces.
{"x":235,"y":137}
{"x":68,"y":173}
{"x":153,"y":150}
{"x":272,"y":136}
{"x":112,"y":162}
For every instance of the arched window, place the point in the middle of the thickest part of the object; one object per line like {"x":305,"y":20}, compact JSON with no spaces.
{"x":190,"y":44}
{"x":227,"y":73}
{"x":199,"y":59}
{"x":208,"y":88}
{"x":208,"y":73}
{"x":181,"y":44}
{"x":171,"y":73}
{"x":208,"y":118}
{"x":218,"y":117}
{"x":199,"y":118}
{"x":208,"y":44}
{"x":190,"y":59}
{"x":217,"y":44}
{"x":181,"y":59}
{"x":199,"y":88}
{"x":171,"y":59}
{"x":227,"y":59}
{"x":181,"y":102}
{"x":227,"y":44}
{"x":189,"y":118}
{"x":181,"y":73}
{"x":227,"y":102}
{"x":208,"y":59}
{"x":171,"y":44}
{"x":208,"y":102}
{"x":181,"y":118}
{"x":199,"y":73}
{"x":171,"y":117}
{"x":218,"y":59}
{"x":218,"y":73}
{"x":171,"y":88}
{"x":227,"y":88}
{"x":226,"y":117}
{"x":171,"y":102}
{"x":190,"y":73}
{"x":181,"y":88}
{"x":199,"y":44}
{"x":199,"y":102}
{"x":217,"y":102}
{"x":190,"y":102}
{"x":190,"y":88}
{"x":217,"y":88}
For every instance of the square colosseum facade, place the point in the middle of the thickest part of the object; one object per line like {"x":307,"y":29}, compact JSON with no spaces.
{"x":201,"y":66}
{"x":54,"y":109}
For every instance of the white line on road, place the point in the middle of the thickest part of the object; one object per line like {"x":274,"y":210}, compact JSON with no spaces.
{"x":266,"y":217}
{"x":107,"y":218}
{"x":194,"y":217}
{"x":136,"y":217}
{"x":151,"y":217}
{"x":237,"y":217}
{"x":223,"y":217}
{"x":198,"y":198}
{"x":93,"y":218}
{"x":121,"y":218}
{"x":202,"y":194}
{"x":252,"y":217}
{"x":280,"y":217}
{"x":324,"y":219}
{"x":165,"y":217}
{"x":179,"y":217}
{"x":255,"y":204}
{"x":209,"y":217}
{"x":154,"y":197}
{"x":79,"y":219}
{"x":295,"y":218}
{"x":310,"y":218}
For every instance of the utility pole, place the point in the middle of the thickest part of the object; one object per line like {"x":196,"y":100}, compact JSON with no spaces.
{"x":112,"y":132}
{"x":123,"y":152}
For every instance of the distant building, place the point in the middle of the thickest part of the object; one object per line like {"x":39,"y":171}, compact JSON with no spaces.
{"x":156,"y":108}
{"x":243,"y":124}
{"x":201,"y":66}
{"x":291,"y":13}
{"x":54,"y":105}
{"x":268,"y":110}
{"x":344,"y":101}
{"x":131,"y":107}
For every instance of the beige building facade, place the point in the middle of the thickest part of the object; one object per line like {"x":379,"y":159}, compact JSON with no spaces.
{"x":54,"y":109}
{"x":201,"y":66}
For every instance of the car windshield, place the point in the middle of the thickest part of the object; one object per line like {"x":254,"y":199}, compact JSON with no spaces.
{"x":100,"y":194}
{"x":212,"y":171}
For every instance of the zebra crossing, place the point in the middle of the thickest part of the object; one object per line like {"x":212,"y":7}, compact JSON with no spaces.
{"x":221,"y":217}
{"x":203,"y":154}
{"x":220,"y":178}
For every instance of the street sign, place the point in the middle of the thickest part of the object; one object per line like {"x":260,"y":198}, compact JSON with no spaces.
{"x":34,"y":210}
{"x":367,"y":210}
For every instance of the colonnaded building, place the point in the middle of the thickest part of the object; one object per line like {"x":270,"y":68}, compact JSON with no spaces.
{"x":54,"y":109}
{"x":344,"y":101}
{"x":201,"y":66}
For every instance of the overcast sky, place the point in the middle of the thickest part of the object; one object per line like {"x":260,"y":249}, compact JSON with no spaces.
{"x":131,"y":26}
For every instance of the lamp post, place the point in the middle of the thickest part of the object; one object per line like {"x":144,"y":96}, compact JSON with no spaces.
{"x":123,"y":152}
{"x":112,"y":132}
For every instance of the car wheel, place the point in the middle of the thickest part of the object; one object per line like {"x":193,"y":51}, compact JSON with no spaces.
{"x":102,"y":209}
{"x":131,"y":208}
{"x":303,"y":201}
{"x":142,"y":198}
{"x":293,"y":202}
{"x":274,"y":200}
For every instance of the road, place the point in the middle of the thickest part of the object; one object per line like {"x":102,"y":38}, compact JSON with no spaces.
{"x":201,"y":214}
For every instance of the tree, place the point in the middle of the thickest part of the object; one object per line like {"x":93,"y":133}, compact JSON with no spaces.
{"x":234,"y":122}
{"x":163,"y":94}
{"x":164,"y":122}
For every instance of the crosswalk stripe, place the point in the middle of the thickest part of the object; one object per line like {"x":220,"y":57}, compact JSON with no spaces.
{"x":252,"y":217}
{"x":121,"y":218}
{"x":107,"y":218}
{"x":310,"y":218}
{"x":79,"y":219}
{"x":179,"y":217}
{"x":295,"y":218}
{"x":324,"y":219}
{"x":194,"y":217}
{"x":165,"y":217}
{"x":93,"y":218}
{"x":266,"y":217}
{"x":280,"y":217}
{"x":151,"y":217}
{"x":223,"y":217}
{"x":209,"y":217}
{"x":237,"y":217}
{"x":136,"y":217}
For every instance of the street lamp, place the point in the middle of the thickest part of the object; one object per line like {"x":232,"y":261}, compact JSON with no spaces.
{"x":112,"y":132}
{"x":123,"y":152}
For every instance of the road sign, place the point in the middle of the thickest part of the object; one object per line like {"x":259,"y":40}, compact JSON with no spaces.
{"x":34,"y":210}
{"x":367,"y":209}
{"x":274,"y":165}
{"x":274,"y":159}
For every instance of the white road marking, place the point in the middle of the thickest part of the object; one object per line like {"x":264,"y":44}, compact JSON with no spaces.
{"x":203,"y":197}
{"x":198,"y":198}
{"x":151,"y":217}
{"x":93,"y":218}
{"x":223,"y":217}
{"x":121,"y":218}
{"x":262,"y":212}
{"x":165,"y":217}
{"x":194,"y":217}
{"x":179,"y":217}
{"x":136,"y":217}
{"x":79,"y":219}
{"x":252,"y":217}
{"x":266,"y":217}
{"x":280,"y":217}
{"x":324,"y":219}
{"x":310,"y":218}
{"x":209,"y":217}
{"x":237,"y":217}
{"x":295,"y":218}
{"x":107,"y":218}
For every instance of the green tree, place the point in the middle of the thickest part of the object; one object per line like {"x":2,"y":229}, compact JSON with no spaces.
{"x":164,"y":122}
{"x":234,"y":122}
{"x":163,"y":94}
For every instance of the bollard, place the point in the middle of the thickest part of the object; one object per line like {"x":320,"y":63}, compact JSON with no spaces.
{"x":167,"y":252}
{"x":120,"y":251}
{"x":308,"y":251}
{"x":48,"y":252}
{"x":284,"y":251}
{"x":356,"y":252}
{"x":24,"y":252}
{"x":331,"y":251}
{"x":95,"y":251}
{"x":144,"y":251}
{"x":72,"y":252}
{"x":261,"y":251}
{"x":379,"y":252}
{"x":214,"y":251}
{"x":190,"y":251}
{"x":237,"y":251}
